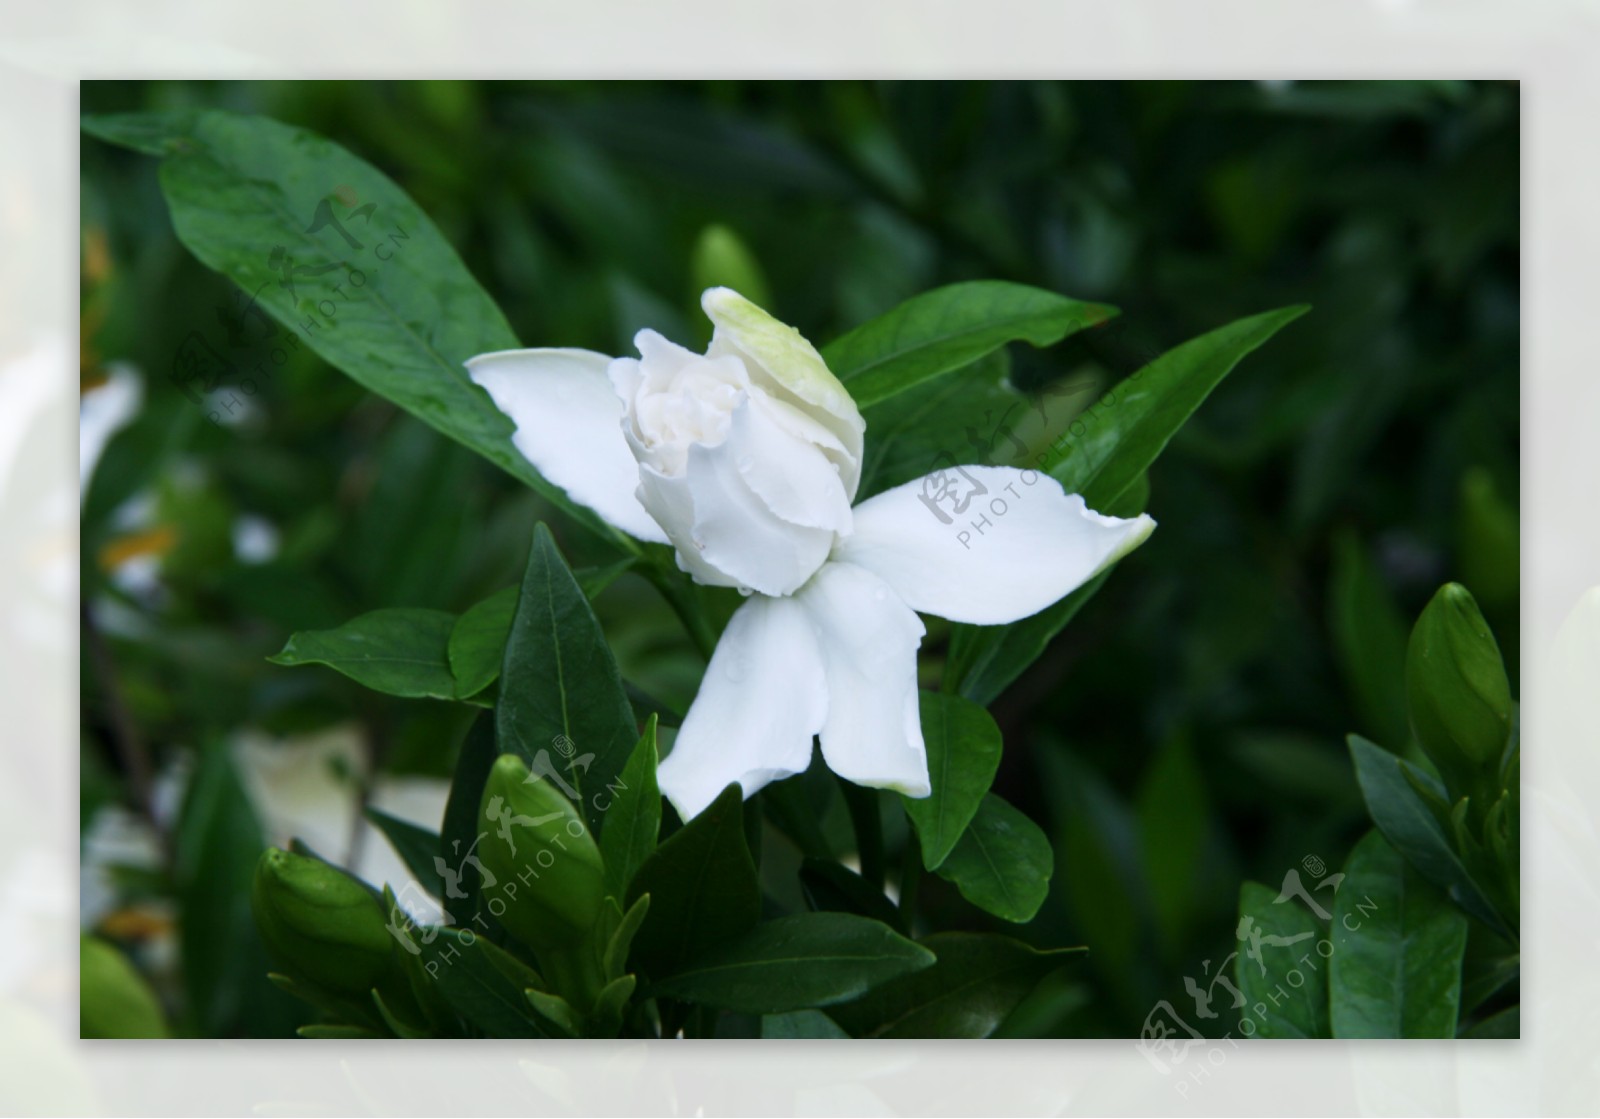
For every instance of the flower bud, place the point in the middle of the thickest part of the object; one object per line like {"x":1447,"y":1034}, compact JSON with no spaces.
{"x":1456,"y":685}
{"x":548,"y":879}
{"x":320,"y":923}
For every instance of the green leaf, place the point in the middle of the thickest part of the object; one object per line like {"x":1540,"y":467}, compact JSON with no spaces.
{"x":555,"y":1010}
{"x":562,"y":706}
{"x":1506,"y":1025}
{"x":702,"y":885}
{"x":972,"y":415}
{"x":1370,"y":637}
{"x":114,"y":1001}
{"x":963,"y":745}
{"x":482,"y":983}
{"x":224,"y":962}
{"x":1280,"y":1005}
{"x":394,"y":306}
{"x":1389,"y":786}
{"x":985,"y":660}
{"x":835,"y":888}
{"x":477,"y":642}
{"x":614,"y":962}
{"x":947,"y":328}
{"x":1117,"y":438}
{"x":416,"y":846}
{"x":1002,"y":863}
{"x":1397,"y":949}
{"x":633,"y":815}
{"x":803,"y":960}
{"x":800,"y":1025}
{"x":337,"y":1033}
{"x":397,"y":651}
{"x":975,"y":983}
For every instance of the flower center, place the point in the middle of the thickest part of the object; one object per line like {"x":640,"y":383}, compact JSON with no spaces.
{"x":692,"y":403}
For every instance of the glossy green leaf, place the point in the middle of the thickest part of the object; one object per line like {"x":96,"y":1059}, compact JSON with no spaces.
{"x":963,"y":746}
{"x":397,"y":651}
{"x":633,"y":815}
{"x":803,"y":960}
{"x":1389,"y":785}
{"x":477,"y":641}
{"x":952,"y":418}
{"x":800,"y":1025}
{"x":834,"y":887}
{"x":1002,"y":863}
{"x":416,"y":846}
{"x":1117,"y":438}
{"x":1395,"y":970}
{"x":702,"y":886}
{"x":1285,"y":985}
{"x":484,"y":984}
{"x":383,"y":296}
{"x":562,"y":706}
{"x":975,"y":983}
{"x":950,"y":327}
{"x":614,"y":961}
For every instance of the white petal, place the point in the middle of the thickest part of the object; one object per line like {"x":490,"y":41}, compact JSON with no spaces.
{"x":869,"y":641}
{"x":667,"y":498}
{"x":791,"y":474}
{"x":780,"y":359}
{"x":762,"y":700}
{"x":724,"y":533}
{"x":1018,"y":544}
{"x":569,"y":425}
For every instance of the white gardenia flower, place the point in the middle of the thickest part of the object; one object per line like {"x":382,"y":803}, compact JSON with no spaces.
{"x":746,"y":460}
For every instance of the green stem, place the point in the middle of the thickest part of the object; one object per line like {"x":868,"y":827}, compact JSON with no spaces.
{"x":868,"y":824}
{"x":685,"y":602}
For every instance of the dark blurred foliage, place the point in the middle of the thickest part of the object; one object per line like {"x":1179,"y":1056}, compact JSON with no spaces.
{"x":1186,"y":731}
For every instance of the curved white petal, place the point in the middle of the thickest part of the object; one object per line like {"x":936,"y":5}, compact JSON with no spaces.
{"x":780,"y":359}
{"x":868,"y":638}
{"x":569,"y":425}
{"x":986,"y":544}
{"x":791,"y":474}
{"x":762,"y":700}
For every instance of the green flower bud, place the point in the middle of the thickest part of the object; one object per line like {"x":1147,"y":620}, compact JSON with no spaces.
{"x":321,"y":924}
{"x":548,"y":880}
{"x":1456,"y":685}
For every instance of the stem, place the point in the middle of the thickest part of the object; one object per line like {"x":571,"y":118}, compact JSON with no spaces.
{"x":868,"y":824}
{"x":680,"y":595}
